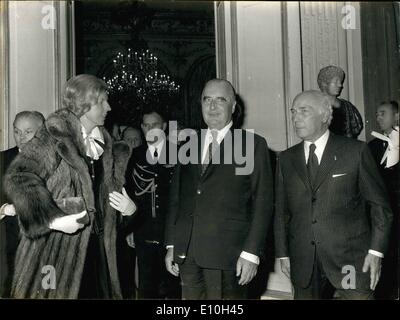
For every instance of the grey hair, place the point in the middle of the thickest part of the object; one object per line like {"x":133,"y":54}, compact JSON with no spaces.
{"x":34,"y":115}
{"x":323,"y":100}
{"x":230,"y":86}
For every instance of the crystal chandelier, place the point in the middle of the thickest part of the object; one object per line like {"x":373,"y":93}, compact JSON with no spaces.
{"x":138,"y":73}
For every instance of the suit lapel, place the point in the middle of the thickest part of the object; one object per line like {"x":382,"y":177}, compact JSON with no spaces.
{"x":202,"y":134}
{"x":211,"y":167}
{"x":329,"y":158}
{"x":299,"y":162}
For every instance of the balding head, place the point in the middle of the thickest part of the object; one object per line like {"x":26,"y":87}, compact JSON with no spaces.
{"x":223,"y":84}
{"x":316,"y":98}
{"x":26,"y":124}
{"x":311,"y":114}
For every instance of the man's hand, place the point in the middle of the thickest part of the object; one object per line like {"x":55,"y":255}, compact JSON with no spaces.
{"x":122,"y":203}
{"x":373,"y":263}
{"x":171,"y":266}
{"x":246,"y":270}
{"x":285,"y":266}
{"x":68,"y":224}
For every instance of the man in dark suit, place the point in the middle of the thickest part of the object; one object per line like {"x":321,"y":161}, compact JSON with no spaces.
{"x":325,"y":239}
{"x":25,"y":125}
{"x":218,"y":218}
{"x":385,"y":149}
{"x":148,"y":183}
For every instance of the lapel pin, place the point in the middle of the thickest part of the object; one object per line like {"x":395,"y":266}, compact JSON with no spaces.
{"x":334,"y":157}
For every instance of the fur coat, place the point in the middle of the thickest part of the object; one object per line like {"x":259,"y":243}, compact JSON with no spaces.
{"x":49,"y":171}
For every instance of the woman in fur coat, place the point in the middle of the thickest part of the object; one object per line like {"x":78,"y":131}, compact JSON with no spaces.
{"x":63,"y":185}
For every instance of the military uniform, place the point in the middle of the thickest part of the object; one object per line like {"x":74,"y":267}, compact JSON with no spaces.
{"x":148,"y":184}
{"x":388,"y":285}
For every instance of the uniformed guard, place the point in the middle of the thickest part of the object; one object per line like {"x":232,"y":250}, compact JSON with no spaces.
{"x":148,"y":180}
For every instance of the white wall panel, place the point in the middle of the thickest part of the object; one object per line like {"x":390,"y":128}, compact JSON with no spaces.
{"x":37,"y":57}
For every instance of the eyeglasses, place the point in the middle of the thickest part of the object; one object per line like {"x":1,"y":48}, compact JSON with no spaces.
{"x":219,"y":101}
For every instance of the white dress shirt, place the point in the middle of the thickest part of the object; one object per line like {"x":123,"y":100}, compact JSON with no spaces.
{"x":320,"y":145}
{"x":208,"y":139}
{"x":152,"y":148}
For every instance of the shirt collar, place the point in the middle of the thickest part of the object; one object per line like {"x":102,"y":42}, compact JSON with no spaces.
{"x":395,"y":131}
{"x":159,"y":145}
{"x":221,"y":133}
{"x":320,"y":145}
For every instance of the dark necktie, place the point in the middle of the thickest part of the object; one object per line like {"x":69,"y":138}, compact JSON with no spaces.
{"x":312,"y":164}
{"x":212,"y":147}
{"x":385,"y":145}
{"x":155,"y":154}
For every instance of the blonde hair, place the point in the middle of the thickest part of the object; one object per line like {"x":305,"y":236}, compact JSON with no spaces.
{"x":81,"y":92}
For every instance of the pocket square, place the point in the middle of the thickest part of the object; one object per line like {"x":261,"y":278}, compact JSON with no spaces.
{"x":338,"y":175}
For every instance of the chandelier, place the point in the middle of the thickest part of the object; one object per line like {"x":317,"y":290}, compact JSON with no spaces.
{"x":138,"y":73}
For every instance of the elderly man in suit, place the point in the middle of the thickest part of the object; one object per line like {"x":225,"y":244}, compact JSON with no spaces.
{"x":325,"y":239}
{"x":218,"y":219}
{"x":26,"y":124}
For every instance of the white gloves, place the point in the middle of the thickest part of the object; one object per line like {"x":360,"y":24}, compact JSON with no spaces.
{"x":7,"y":210}
{"x":68,"y":224}
{"x":122,"y":202}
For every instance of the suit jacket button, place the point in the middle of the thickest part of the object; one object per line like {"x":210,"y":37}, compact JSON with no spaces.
{"x":314,"y":221}
{"x":313,"y":242}
{"x":314,"y":199}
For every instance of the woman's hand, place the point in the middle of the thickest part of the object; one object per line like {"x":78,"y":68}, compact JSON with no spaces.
{"x":122,"y":202}
{"x":68,"y":224}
